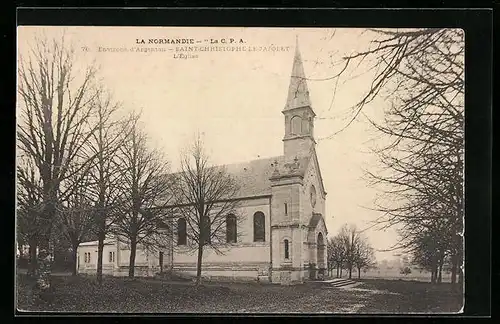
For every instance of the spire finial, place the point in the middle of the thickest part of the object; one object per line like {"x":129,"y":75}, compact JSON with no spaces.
{"x":297,"y":55}
{"x":297,"y":51}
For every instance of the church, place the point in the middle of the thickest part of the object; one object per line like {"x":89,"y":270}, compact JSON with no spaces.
{"x":282,"y":235}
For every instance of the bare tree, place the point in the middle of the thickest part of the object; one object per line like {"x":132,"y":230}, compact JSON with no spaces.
{"x":29,"y":207}
{"x":76,"y":213}
{"x":429,"y":251}
{"x":207,"y":203}
{"x":364,"y":256}
{"x":56,"y":102}
{"x":349,"y":249}
{"x":106,"y":171}
{"x":351,"y":239}
{"x":336,"y":254}
{"x":331,"y":256}
{"x":344,"y":237}
{"x":147,"y":185}
{"x":421,"y":74}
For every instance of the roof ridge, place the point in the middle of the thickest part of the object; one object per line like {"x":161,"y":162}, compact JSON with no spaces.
{"x":240,"y":162}
{"x":258,"y":159}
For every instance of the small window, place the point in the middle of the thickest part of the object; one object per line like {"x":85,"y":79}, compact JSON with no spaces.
{"x":181,"y":232}
{"x":306,"y":126}
{"x":296,"y":125}
{"x":87,"y":257}
{"x":259,"y":227}
{"x":111,"y":256}
{"x":160,"y":259}
{"x":287,"y":250}
{"x":231,"y":229}
{"x":286,"y":209}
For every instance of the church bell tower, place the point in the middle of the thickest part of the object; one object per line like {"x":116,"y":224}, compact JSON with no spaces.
{"x":299,"y":115}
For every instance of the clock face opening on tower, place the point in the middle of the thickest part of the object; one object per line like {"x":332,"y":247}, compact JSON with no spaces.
{"x":313,"y":196}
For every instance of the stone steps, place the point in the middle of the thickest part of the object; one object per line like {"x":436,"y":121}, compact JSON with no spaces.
{"x":339,"y":282}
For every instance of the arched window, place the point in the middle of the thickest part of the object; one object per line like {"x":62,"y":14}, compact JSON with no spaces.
{"x":296,"y":125}
{"x":231,"y":229}
{"x":259,"y":227}
{"x":287,"y":250}
{"x":306,"y":125}
{"x":181,"y":232}
{"x":207,"y":230}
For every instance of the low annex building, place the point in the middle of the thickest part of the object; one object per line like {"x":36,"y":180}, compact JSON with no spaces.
{"x":282,"y":238}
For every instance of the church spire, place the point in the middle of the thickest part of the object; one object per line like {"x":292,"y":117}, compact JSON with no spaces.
{"x":298,"y":94}
{"x":298,"y":113}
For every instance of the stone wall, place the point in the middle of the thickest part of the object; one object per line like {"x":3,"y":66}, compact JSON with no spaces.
{"x":227,"y":271}
{"x":237,"y":256}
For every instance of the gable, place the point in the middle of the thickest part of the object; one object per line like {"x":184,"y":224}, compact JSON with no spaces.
{"x":317,"y":222}
{"x":314,"y":164}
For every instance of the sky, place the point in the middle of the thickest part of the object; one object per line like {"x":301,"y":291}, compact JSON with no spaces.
{"x":235,"y":98}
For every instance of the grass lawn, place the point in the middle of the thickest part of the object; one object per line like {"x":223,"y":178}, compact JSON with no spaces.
{"x":82,"y":294}
{"x":401,"y":296}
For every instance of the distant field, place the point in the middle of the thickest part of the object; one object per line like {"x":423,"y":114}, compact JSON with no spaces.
{"x":395,"y":275}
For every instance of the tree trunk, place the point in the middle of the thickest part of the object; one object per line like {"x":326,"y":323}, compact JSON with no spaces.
{"x":160,"y":257}
{"x":434,"y":273}
{"x":49,"y":215}
{"x":20,"y":249}
{"x":338,"y":271}
{"x":434,"y":269}
{"x":454,"y":265}
{"x":32,"y":257}
{"x":440,"y":277}
{"x":198,"y":264}
{"x":131,"y":264}
{"x":460,"y":277}
{"x":359,"y":273}
{"x":74,"y":258}
{"x":100,"y":252}
{"x":43,"y":242}
{"x":350,"y":272}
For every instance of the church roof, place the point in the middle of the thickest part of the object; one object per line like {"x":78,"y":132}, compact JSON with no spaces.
{"x":298,"y":93}
{"x":253,"y":176}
